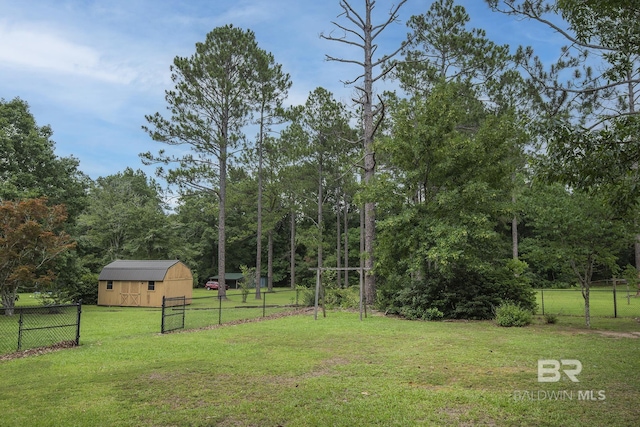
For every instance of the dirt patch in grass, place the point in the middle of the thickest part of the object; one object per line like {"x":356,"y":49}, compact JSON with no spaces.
{"x":38,"y":351}
{"x":456,"y":416}
{"x":305,"y":310}
{"x":619,"y":334}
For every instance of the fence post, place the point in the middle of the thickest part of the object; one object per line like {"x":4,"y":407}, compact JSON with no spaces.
{"x":264,"y":304}
{"x":219,"y":310}
{"x":184,"y":309}
{"x":542,"y":296}
{"x":20,"y":331}
{"x":162,"y":322}
{"x":79,"y":304}
{"x":615,"y":303}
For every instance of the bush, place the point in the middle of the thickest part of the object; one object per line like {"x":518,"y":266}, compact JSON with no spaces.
{"x":413,"y":313}
{"x":433,"y":314}
{"x":509,"y":314}
{"x":84,"y":289}
{"x":248,"y":279}
{"x":307,"y":296}
{"x":343,"y":297}
{"x":463,"y":295}
{"x":551,"y":318}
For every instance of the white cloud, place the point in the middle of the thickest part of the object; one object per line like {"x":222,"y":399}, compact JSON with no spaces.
{"x":40,"y":49}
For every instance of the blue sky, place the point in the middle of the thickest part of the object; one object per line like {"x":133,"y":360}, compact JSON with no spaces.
{"x":92,"y":69}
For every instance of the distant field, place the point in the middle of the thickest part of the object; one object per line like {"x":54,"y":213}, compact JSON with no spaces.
{"x":569,"y":302}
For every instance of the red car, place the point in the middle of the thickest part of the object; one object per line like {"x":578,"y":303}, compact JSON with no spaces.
{"x":211,"y":285}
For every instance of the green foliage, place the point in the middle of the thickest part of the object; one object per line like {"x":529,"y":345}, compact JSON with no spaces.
{"x":630,"y":274}
{"x":124,"y":219}
{"x":52,"y":296}
{"x":347,"y":298}
{"x":443,"y":47}
{"x":585,"y":105}
{"x":307,"y":297}
{"x":31,"y":238}
{"x":551,"y":318}
{"x":456,"y":162}
{"x":462,"y":295}
{"x":29,"y":167}
{"x":85,"y":289}
{"x":193,"y":233}
{"x":510,"y":314}
{"x":573,"y":230}
{"x":248,"y":281}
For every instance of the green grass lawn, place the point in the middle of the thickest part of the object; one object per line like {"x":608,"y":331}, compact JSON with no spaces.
{"x":205,"y":309}
{"x":295,"y":371}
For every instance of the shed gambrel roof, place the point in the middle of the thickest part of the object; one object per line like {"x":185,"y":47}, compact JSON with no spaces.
{"x":135,"y":270}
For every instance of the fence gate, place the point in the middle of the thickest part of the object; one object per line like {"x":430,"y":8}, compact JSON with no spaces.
{"x":25,"y":328}
{"x":173,"y":311}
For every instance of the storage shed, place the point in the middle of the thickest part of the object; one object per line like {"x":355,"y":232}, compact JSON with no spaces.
{"x":143,"y":283}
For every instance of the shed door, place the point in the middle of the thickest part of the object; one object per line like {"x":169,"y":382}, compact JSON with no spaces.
{"x":124,"y":293}
{"x":130,"y":294}
{"x":134,"y":294}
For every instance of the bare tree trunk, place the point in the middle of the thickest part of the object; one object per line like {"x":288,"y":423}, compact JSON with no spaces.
{"x":346,"y":245}
{"x":369,"y":159}
{"x":270,"y":261}
{"x":585,"y":285}
{"x":362,"y":237}
{"x":587,"y":307}
{"x":292,"y":245}
{"x":338,"y":243}
{"x":364,"y":40}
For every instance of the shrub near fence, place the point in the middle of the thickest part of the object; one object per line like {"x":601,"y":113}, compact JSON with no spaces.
{"x":34,"y":327}
{"x":603,"y":302}
{"x":200,"y":312}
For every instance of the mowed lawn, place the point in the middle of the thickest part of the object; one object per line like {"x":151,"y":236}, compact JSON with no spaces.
{"x":338,"y":371}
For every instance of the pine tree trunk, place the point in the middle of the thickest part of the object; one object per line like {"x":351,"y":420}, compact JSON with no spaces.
{"x":338,"y":245}
{"x":514,"y":231}
{"x":222,"y":214}
{"x":270,"y":261}
{"x":346,"y":245}
{"x":259,"y":232}
{"x":292,"y":246}
{"x":637,"y":256}
{"x":369,"y":160}
{"x":320,"y":225}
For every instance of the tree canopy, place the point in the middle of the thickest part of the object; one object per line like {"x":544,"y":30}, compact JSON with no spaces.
{"x":29,"y":167}
{"x":431,"y":186}
{"x":31,"y":237}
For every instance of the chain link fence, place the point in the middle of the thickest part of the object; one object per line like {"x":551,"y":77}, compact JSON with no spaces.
{"x":618,"y":301}
{"x":24,"y":328}
{"x":200,"y":312}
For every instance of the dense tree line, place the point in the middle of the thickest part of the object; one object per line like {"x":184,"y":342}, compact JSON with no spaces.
{"x":490,"y":172}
